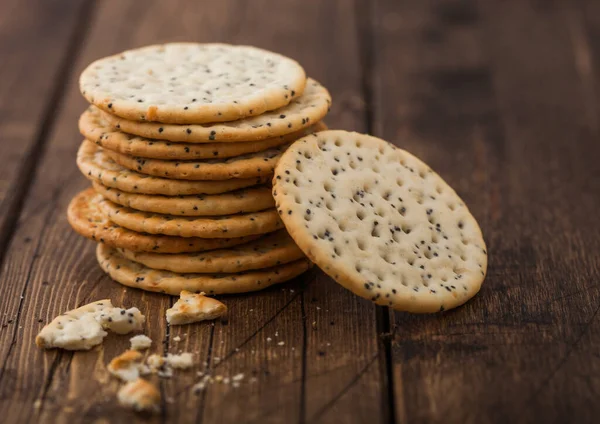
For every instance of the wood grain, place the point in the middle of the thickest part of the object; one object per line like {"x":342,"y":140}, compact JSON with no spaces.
{"x":35,"y":54}
{"x":493,"y":100}
{"x":501,"y":98}
{"x":311,"y":375}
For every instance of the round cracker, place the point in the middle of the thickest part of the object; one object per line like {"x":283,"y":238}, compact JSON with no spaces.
{"x":250,"y":199}
{"x":380,"y":222}
{"x":86,"y":217}
{"x":138,"y":276}
{"x":239,"y":225}
{"x":98,"y":167}
{"x":302,"y":112}
{"x":95,"y":128}
{"x":183,"y":83}
{"x":271,"y":250}
{"x":252,"y":165}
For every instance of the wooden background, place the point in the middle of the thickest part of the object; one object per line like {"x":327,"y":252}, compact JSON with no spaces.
{"x":500,"y":97}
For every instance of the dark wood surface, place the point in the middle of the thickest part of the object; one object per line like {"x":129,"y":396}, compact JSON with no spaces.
{"x":502,"y":98}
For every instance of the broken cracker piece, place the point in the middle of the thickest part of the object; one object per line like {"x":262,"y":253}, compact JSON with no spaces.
{"x":127,"y":366}
{"x":83,"y":328}
{"x":140,"y":395}
{"x":182,"y":361}
{"x":76,"y":329}
{"x":121,"y":321}
{"x":194,"y":307}
{"x":140,"y":342}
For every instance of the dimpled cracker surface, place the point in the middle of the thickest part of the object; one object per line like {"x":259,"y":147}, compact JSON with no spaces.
{"x":302,"y":112}
{"x":192,"y":83}
{"x":136,"y":275}
{"x":251,"y":165}
{"x":98,"y":167}
{"x":271,"y":250}
{"x":95,"y":128}
{"x":239,"y":225}
{"x":245,"y":200}
{"x":87,"y":218}
{"x":380,"y":222}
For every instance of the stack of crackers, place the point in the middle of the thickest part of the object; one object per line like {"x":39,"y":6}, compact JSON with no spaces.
{"x":181,"y":142}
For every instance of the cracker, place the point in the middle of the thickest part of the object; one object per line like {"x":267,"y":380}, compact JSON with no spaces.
{"x":194,"y":307}
{"x":251,"y":165}
{"x":244,"y":200}
{"x":127,"y":366}
{"x":83,"y":328}
{"x":136,"y":275}
{"x":98,"y":167}
{"x":192,"y":83}
{"x":77,"y":329}
{"x":96,"y":129}
{"x":140,"y":395}
{"x":140,"y":342}
{"x":302,"y":112}
{"x":380,"y":222}
{"x":274,"y":249}
{"x":121,"y":321}
{"x":87,"y":218}
{"x":239,"y":225}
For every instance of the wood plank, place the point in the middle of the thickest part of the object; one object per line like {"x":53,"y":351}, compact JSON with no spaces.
{"x":300,"y":380}
{"x":490,"y":96}
{"x":35,"y":52}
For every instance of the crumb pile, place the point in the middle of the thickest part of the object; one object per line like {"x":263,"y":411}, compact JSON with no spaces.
{"x":180,"y":144}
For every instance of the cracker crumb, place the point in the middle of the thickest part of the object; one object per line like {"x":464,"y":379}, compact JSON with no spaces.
{"x":140,"y":395}
{"x":140,"y":342}
{"x":176,"y":339}
{"x":183,"y":361}
{"x":126,"y":366}
{"x":194,"y":307}
{"x":281,"y":343}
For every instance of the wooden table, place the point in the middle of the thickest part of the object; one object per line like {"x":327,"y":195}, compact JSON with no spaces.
{"x":502,"y":98}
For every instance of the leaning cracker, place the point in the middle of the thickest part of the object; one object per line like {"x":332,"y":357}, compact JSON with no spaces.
{"x":249,"y":199}
{"x":239,"y":225}
{"x":251,"y":165}
{"x":192,"y":83}
{"x":194,"y":307}
{"x":380,"y":222}
{"x":86,"y":217}
{"x":136,"y":275}
{"x":271,"y":250}
{"x":98,"y":167}
{"x":95,"y":127}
